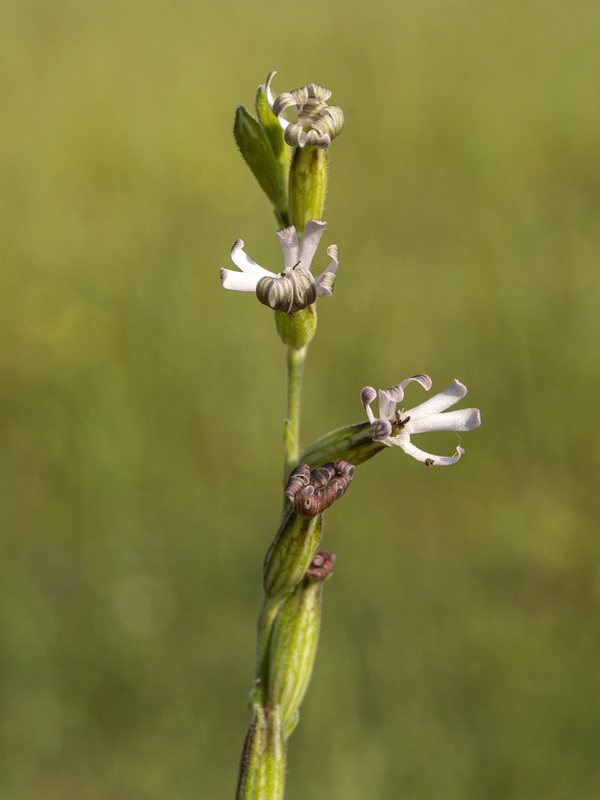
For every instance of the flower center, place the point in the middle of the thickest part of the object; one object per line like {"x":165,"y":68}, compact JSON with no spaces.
{"x":398,"y":424}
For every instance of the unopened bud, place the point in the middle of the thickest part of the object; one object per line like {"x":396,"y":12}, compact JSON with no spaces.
{"x":321,"y":566}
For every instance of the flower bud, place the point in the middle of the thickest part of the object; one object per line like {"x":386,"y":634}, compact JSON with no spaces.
{"x":321,"y":566}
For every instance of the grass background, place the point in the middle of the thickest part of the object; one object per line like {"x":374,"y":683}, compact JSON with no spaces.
{"x":141,"y":405}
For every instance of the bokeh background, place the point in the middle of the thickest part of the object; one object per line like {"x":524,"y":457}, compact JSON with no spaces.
{"x":141,"y":404}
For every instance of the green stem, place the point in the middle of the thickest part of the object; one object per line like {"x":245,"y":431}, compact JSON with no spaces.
{"x":291,"y":433}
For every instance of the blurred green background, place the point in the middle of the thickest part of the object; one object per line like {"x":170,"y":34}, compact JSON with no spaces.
{"x":141,"y":404}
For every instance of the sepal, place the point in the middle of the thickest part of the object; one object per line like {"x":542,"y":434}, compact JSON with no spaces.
{"x":256,"y":148}
{"x":291,"y":553}
{"x":307,"y":185}
{"x":297,"y":330}
{"x":353,"y":443}
{"x":273,"y":130}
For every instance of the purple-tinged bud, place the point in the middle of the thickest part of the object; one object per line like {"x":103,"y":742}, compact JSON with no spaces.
{"x":321,"y":566}
{"x":299,"y":478}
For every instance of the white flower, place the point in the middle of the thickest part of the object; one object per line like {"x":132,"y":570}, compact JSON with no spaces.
{"x":282,"y":289}
{"x":396,"y":427}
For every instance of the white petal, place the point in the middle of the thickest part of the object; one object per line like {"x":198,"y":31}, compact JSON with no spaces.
{"x":463,"y":420}
{"x":245,"y":263}
{"x":238,"y":281}
{"x":288,"y":240}
{"x":270,"y":98}
{"x":421,"y":455}
{"x":389,"y":399}
{"x":325,"y":284}
{"x":284,"y":101}
{"x":440,"y":402}
{"x":314,"y":230}
{"x":424,"y":380}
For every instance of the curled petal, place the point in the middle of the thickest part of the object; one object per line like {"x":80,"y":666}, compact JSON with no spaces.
{"x":299,"y":478}
{"x":382,"y":429}
{"x":320,"y":93}
{"x":440,"y":402}
{"x":428,"y":458}
{"x":284,"y":101}
{"x":424,"y":380}
{"x":332,"y":121}
{"x":326,"y":279}
{"x":367,"y":395}
{"x":289,"y":292}
{"x":296,"y":136}
{"x":270,"y":98}
{"x":465,"y":419}
{"x":245,"y":263}
{"x":389,"y":398}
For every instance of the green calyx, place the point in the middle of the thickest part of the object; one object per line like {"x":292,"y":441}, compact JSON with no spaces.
{"x":291,"y":553}
{"x":293,"y":648}
{"x":353,"y":443}
{"x":307,"y":185}
{"x":297,"y":329}
{"x":262,"y":775}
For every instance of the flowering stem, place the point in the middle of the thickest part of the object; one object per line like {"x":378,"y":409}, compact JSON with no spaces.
{"x":291,"y":433}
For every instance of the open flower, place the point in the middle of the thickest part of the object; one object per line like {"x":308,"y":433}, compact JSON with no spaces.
{"x":396,"y":427}
{"x":318,"y":123}
{"x":294,"y":288}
